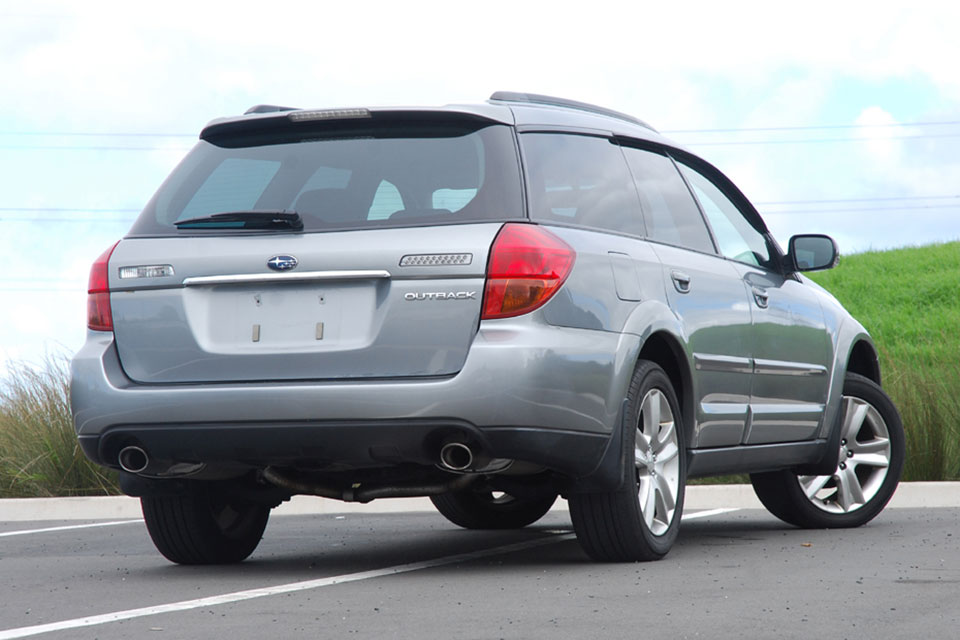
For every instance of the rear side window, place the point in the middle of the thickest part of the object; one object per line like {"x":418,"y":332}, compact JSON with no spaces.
{"x":580,"y":180}
{"x":372,"y":175}
{"x":670,"y":211}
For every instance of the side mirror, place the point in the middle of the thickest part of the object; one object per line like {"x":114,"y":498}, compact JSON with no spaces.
{"x":811,"y":252}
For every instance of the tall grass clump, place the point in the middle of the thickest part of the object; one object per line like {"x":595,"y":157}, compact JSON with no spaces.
{"x":909,"y":301}
{"x":39,"y":453}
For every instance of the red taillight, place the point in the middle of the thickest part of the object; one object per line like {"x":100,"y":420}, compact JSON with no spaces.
{"x":99,"y":316}
{"x":527,"y":265}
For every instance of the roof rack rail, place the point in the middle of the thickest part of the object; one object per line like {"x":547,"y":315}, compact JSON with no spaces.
{"x":267,"y":108}
{"x":535,"y":98}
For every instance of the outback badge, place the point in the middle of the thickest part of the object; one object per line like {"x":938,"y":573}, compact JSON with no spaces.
{"x":282,"y":263}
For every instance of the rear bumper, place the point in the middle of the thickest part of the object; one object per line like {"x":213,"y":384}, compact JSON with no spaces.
{"x":531,"y":392}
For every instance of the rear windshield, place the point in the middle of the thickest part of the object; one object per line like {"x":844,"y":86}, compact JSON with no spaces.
{"x":368,"y":176}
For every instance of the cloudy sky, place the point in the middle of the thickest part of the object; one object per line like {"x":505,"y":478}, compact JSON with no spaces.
{"x":834,"y":117}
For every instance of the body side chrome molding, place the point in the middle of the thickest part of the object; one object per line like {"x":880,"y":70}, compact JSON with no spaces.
{"x":781,"y":368}
{"x":730,"y":364}
{"x":723,"y":364}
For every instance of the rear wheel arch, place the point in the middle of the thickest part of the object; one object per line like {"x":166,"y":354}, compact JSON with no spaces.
{"x":665,"y":350}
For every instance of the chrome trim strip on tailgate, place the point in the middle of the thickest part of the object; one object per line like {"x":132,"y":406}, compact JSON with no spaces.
{"x":306,"y":276}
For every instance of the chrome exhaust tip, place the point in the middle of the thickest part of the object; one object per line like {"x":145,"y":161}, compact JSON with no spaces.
{"x":133,"y":459}
{"x":456,"y":456}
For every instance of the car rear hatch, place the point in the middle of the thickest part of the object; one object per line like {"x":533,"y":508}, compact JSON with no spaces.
{"x":380,"y":273}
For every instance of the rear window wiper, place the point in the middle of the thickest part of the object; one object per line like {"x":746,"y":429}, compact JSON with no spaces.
{"x":255,"y":219}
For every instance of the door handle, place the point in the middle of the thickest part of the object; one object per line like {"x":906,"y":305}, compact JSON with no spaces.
{"x":681,"y":281}
{"x":761,"y":297}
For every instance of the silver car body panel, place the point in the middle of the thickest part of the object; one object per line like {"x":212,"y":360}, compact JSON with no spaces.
{"x":350,"y":335}
{"x":226,"y":317}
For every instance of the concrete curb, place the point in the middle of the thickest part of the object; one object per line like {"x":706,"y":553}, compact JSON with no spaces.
{"x":923,"y":495}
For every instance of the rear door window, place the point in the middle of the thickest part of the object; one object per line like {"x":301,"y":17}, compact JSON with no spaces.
{"x":580,"y":180}
{"x":736,"y":236}
{"x":671,"y":213}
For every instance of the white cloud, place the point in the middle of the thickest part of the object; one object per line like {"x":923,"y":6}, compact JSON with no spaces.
{"x":171,"y":67}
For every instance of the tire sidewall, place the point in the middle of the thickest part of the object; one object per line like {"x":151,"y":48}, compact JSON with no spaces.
{"x":649,"y":376}
{"x":808,"y":514}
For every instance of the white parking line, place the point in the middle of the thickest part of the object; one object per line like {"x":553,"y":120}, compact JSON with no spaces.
{"x":706,"y":514}
{"x":250,"y":594}
{"x":26,"y":532}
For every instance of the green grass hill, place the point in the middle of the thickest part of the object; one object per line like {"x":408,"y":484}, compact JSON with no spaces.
{"x":909,"y":301}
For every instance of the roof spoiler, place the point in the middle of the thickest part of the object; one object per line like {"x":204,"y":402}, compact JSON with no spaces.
{"x":267,"y":108}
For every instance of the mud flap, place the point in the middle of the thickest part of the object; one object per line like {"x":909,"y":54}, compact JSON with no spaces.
{"x":609,"y":473}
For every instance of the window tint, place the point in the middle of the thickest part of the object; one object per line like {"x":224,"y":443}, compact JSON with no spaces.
{"x":737,"y":238}
{"x":235,"y":185}
{"x":580,"y":180}
{"x":372,"y":174}
{"x":386,"y":201}
{"x":670,"y":211}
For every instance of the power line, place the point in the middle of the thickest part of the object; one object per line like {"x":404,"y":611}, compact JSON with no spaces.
{"x":944,"y":123}
{"x":842,"y":200}
{"x":724,"y":143}
{"x":147,"y":134}
{"x":698,"y":143}
{"x":99,"y":134}
{"x":31,"y":147}
{"x":862,"y":209}
{"x":756,"y":203}
{"x":79,"y":209}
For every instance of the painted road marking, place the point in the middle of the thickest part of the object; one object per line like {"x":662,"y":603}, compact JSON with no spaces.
{"x":68,"y":528}
{"x":293,"y":587}
{"x":707,"y":514}
{"x":250,"y":594}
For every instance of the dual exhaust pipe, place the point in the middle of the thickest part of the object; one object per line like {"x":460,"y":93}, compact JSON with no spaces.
{"x":454,"y":456}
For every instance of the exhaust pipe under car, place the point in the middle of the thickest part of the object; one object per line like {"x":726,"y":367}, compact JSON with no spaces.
{"x":456,"y":456}
{"x":133,"y":459}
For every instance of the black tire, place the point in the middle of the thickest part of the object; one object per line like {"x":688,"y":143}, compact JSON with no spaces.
{"x":613,"y":526}
{"x":482,"y":509}
{"x":203,"y":527}
{"x":861,"y":486}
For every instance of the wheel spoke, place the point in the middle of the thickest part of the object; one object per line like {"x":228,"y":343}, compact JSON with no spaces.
{"x":849,"y":491}
{"x":854,"y":415}
{"x":872,"y":460}
{"x":639,"y":453}
{"x":877,"y":445}
{"x":665,"y":437}
{"x":649,"y":502}
{"x":667,"y":452}
{"x":667,"y":500}
{"x":651,"y":415}
{"x":811,"y":485}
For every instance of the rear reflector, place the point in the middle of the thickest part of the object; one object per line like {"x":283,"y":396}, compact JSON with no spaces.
{"x":527,"y":265}
{"x":147,"y":271}
{"x":99,"y":315}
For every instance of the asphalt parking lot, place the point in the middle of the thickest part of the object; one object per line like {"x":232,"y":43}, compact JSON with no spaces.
{"x":733,"y":573}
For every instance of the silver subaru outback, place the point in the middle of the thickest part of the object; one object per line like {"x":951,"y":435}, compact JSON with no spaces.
{"x":491,"y":305}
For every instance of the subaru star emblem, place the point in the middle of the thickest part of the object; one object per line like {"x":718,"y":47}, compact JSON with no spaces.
{"x":282,"y":263}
